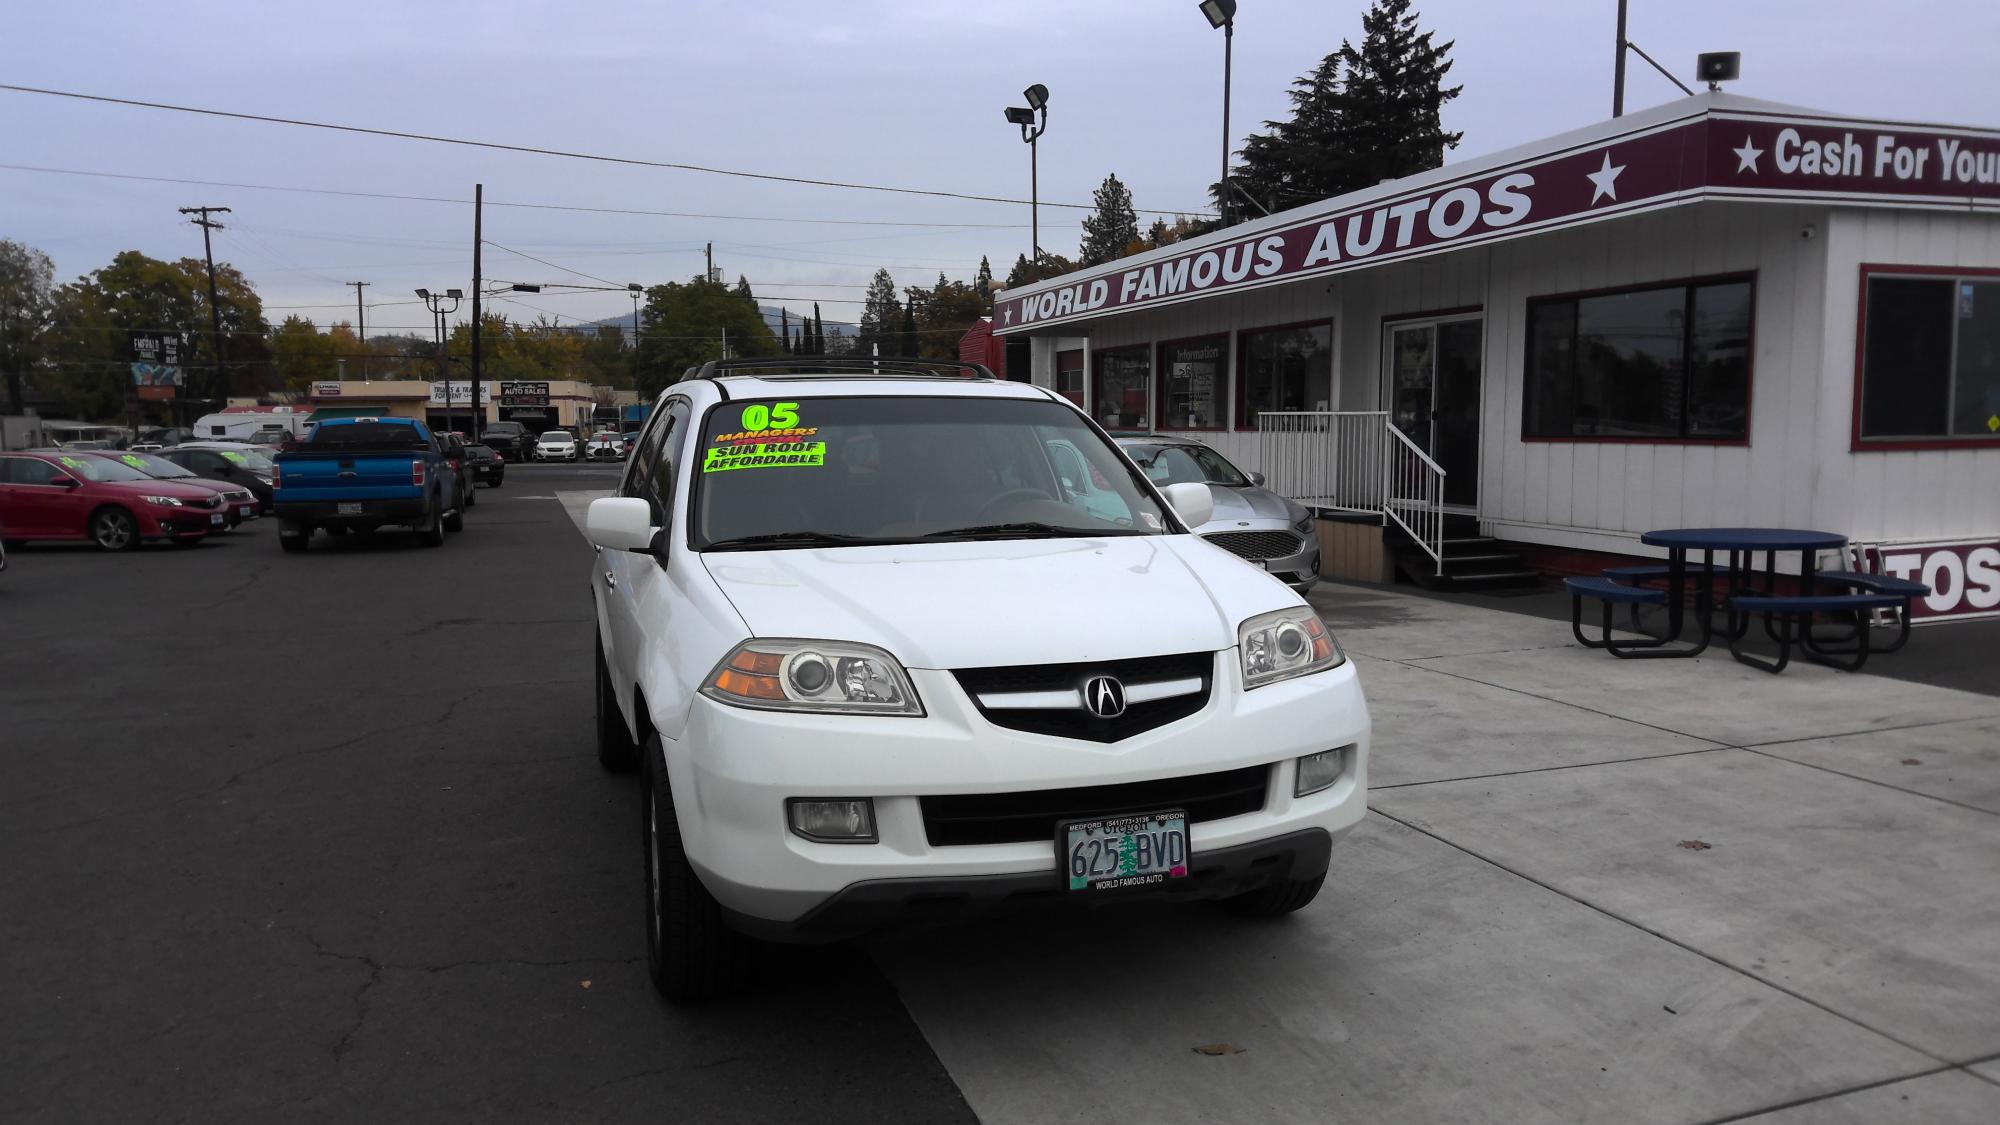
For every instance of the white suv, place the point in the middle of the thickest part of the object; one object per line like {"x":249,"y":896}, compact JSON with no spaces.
{"x":879,"y":664}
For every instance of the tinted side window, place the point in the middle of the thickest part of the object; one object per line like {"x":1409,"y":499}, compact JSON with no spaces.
{"x":645,"y":457}
{"x":667,"y":452}
{"x":27,"y":470}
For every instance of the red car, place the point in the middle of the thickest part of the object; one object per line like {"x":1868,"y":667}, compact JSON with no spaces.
{"x":74,"y":496}
{"x":237,"y":503}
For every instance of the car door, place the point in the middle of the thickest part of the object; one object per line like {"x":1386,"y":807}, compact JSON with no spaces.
{"x":626,"y":582}
{"x":34,"y":500}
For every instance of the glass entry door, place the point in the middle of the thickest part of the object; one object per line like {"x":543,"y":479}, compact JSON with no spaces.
{"x":1434,"y":397}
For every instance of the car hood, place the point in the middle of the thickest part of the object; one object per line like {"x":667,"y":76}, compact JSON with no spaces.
{"x":175,"y":489}
{"x":1018,"y":601}
{"x":1233,"y":504}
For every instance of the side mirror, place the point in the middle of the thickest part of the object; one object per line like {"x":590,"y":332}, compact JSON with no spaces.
{"x":620,"y":523}
{"x":1191,"y":501}
{"x":1257,"y":479}
{"x":68,"y":482}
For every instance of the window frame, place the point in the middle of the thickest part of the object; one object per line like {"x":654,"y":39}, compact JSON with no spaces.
{"x":1240,"y":366}
{"x":1082,"y":374}
{"x":1687,"y":285}
{"x":1904,"y":443}
{"x":1224,"y":370}
{"x":1096,"y":371}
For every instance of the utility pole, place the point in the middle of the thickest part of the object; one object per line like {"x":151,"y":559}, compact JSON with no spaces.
{"x":709,"y":254}
{"x":361,"y":327}
{"x":214,"y":310}
{"x":1618,"y":68}
{"x":478,"y":209}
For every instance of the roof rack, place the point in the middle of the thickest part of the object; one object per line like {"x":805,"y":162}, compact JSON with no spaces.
{"x":838,"y":367}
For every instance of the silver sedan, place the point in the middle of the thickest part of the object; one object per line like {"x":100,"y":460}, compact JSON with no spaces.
{"x":1250,"y":521}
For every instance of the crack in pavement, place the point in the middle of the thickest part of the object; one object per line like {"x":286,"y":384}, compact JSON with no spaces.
{"x":236,"y":778}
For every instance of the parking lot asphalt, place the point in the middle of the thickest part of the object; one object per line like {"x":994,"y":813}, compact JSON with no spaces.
{"x":321,"y":837}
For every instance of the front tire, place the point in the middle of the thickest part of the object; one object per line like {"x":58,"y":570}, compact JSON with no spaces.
{"x":691,"y":953}
{"x":616,"y":751}
{"x":1277,"y":899}
{"x":114,"y":529}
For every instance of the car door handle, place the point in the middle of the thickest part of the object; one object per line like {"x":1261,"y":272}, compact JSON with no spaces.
{"x":610,"y":580}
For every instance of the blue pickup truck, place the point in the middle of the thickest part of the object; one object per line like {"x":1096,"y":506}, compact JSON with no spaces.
{"x":358,"y":474}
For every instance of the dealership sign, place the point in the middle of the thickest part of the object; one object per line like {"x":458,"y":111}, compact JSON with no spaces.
{"x":1714,"y":156}
{"x":524,"y":393}
{"x":1964,"y":576}
{"x":156,"y":364}
{"x":326,"y":390}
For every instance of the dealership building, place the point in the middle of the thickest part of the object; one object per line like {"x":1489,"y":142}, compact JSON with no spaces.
{"x":1716,"y":312}
{"x":538,"y":404}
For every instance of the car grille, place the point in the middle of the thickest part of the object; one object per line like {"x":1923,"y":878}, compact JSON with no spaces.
{"x":1257,"y":544}
{"x":1012,"y":818}
{"x":1073,"y":722}
{"x":207,"y":502}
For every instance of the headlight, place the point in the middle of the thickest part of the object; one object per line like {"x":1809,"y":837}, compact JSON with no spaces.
{"x":1284,"y":643}
{"x":1304,"y":526}
{"x":821,"y":676}
{"x":167,"y":501}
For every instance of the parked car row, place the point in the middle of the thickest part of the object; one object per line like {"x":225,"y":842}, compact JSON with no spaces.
{"x":99,"y":497}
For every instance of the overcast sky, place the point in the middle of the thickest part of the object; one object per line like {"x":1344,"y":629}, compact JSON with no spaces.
{"x":900,"y":93}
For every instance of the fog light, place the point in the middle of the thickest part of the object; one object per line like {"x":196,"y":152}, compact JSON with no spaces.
{"x":837,"y":822}
{"x":1317,"y":771}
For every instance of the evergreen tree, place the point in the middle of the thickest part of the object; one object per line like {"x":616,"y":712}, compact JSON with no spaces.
{"x":785,"y":328}
{"x":1365,"y":114}
{"x":881,"y":314}
{"x":907,"y":345}
{"x":1112,"y":227}
{"x":982,"y":282}
{"x":743,"y":289}
{"x":1026,"y":272}
{"x":819,"y":332}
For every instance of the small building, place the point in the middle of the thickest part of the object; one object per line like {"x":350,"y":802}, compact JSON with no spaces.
{"x":538,"y":404}
{"x":1716,"y":312}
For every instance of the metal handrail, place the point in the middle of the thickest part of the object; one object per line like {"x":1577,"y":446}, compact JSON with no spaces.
{"x":1355,"y":461}
{"x":1427,"y":509}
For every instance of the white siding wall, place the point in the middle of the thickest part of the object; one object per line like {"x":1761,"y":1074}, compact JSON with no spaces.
{"x":1602,"y":495}
{"x":1921,"y":494}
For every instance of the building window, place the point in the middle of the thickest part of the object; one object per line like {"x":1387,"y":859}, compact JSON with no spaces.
{"x":1930,"y":366}
{"x":1191,"y":383}
{"x":1670,"y":363}
{"x":1120,"y":388}
{"x":1284,"y":369}
{"x":1069,"y":375}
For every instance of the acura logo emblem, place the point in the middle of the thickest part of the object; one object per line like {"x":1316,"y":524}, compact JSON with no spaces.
{"x":1104,"y":697}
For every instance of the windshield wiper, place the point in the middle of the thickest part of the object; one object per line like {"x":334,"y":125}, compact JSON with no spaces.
{"x":1027,"y":529}
{"x":781,"y":539}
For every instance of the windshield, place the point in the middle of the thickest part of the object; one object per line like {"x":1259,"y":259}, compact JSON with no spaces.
{"x":98,"y":469}
{"x":255,"y":462}
{"x":855,"y":471}
{"x":153,"y":466}
{"x":1185,"y":464}
{"x":558,"y":435}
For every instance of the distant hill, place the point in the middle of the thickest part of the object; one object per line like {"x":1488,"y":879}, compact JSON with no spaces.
{"x":834,"y":328}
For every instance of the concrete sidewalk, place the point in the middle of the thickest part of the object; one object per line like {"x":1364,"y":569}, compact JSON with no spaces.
{"x":1590,"y":890}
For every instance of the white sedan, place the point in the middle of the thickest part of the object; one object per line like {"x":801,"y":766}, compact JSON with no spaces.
{"x":556,"y":445}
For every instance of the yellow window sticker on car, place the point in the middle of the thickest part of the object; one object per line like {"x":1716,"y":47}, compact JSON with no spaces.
{"x":236,"y":457}
{"x":133,"y":460}
{"x":764,"y":455}
{"x":72,"y":462}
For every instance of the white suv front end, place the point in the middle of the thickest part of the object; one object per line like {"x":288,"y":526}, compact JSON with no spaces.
{"x":880,"y":667}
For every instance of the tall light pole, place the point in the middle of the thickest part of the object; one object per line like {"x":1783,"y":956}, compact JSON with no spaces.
{"x":1034,"y":121}
{"x":439,"y":311}
{"x":1222,"y":14}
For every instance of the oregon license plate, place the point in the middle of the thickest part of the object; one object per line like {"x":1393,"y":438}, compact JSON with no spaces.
{"x":1125,"y":851}
{"x":347,"y":509}
{"x":246,"y":511}
{"x":215,"y":520}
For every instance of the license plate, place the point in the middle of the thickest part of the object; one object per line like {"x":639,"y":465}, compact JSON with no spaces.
{"x":347,"y":509}
{"x":1125,"y":851}
{"x":215,"y":520}
{"x":246,"y":511}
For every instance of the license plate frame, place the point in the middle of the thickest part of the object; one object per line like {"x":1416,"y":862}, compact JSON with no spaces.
{"x":216,"y":520}
{"x":1127,"y":874}
{"x":344,"y":508}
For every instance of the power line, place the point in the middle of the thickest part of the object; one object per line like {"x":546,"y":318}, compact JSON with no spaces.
{"x":536,"y":150}
{"x":553,"y":266}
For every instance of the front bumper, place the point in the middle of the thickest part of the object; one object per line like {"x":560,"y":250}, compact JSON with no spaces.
{"x":733,"y":769}
{"x":182,"y":523}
